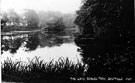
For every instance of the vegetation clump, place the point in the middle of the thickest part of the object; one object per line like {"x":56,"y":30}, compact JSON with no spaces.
{"x":36,"y":69}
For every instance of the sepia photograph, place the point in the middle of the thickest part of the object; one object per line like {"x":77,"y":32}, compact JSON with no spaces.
{"x":67,"y":41}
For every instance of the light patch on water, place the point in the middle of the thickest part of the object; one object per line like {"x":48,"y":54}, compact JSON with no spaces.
{"x":47,"y":54}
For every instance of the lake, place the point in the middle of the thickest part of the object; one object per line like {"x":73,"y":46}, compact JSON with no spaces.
{"x":25,"y":47}
{"x":98,"y":59}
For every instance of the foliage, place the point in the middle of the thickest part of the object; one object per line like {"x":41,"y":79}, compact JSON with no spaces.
{"x":45,"y":17}
{"x":31,"y":18}
{"x":55,"y":26}
{"x":11,"y":44}
{"x":32,"y":42}
{"x":4,"y":20}
{"x":108,"y":37}
{"x":108,"y":27}
{"x":55,"y":23}
{"x":14,"y":18}
{"x":68,"y":20}
{"x":37,"y":69}
{"x":106,"y":18}
{"x":3,"y":23}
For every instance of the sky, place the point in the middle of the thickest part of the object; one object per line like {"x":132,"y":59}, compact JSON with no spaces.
{"x":64,"y":6}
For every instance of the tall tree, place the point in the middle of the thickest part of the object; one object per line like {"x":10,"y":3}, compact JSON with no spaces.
{"x":14,"y":18}
{"x":103,"y":17}
{"x":45,"y":17}
{"x":32,"y":19}
{"x":55,"y":26}
{"x":109,"y":22}
{"x":4,"y":20}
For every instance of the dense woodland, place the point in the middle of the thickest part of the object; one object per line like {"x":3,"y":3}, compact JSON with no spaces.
{"x":108,"y":36}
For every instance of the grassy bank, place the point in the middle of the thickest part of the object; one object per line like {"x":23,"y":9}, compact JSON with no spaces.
{"x":63,"y":70}
{"x":37,"y":70}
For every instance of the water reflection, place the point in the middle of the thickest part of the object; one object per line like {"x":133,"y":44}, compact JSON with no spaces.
{"x":47,"y":53}
{"x":27,"y":46}
{"x":32,"y":41}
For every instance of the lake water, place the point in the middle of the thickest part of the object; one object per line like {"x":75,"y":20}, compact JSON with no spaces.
{"x":50,"y":47}
{"x":25,"y":47}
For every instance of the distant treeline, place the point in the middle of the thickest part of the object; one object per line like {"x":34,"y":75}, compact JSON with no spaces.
{"x":33,"y":20}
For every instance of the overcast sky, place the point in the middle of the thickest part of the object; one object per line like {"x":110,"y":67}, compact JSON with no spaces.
{"x":64,"y":6}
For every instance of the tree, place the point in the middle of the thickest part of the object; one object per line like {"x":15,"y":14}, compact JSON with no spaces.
{"x":110,"y":23}
{"x":32,"y":19}
{"x":4,"y":20}
{"x":68,"y":20}
{"x":3,"y":23}
{"x":108,"y":37}
{"x":14,"y":18}
{"x":105,"y":17}
{"x":55,"y":26}
{"x":45,"y":17}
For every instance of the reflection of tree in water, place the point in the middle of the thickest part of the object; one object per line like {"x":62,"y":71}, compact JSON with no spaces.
{"x":54,"y":33}
{"x":32,"y":42}
{"x":49,"y":40}
{"x":11,"y":44}
{"x":16,"y":44}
